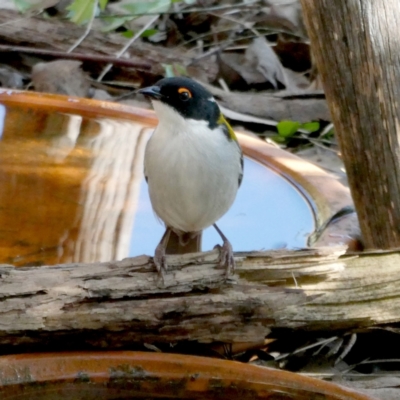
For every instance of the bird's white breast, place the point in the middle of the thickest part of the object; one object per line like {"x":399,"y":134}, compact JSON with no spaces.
{"x":192,"y":171}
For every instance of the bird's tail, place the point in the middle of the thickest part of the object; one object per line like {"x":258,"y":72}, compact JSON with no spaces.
{"x":184,"y":243}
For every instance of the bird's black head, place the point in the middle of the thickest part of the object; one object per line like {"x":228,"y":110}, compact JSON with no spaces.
{"x":187,"y":97}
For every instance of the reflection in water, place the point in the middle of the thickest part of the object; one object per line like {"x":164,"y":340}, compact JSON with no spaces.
{"x":72,"y":190}
{"x":63,"y":137}
{"x":110,"y":192}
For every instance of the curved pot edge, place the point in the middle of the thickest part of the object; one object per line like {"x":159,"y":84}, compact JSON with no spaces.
{"x":198,"y":372}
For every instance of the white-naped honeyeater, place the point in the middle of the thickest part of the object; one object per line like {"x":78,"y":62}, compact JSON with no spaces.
{"x":193,"y":166}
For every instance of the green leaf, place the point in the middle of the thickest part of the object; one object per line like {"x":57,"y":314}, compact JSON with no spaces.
{"x":330,"y":134}
{"x":128,"y":34}
{"x":180,"y":69}
{"x":278,"y":139}
{"x":81,"y":11}
{"x":171,"y":70}
{"x":168,"y":70}
{"x":114,"y":23}
{"x":102,"y":4}
{"x":145,"y":7}
{"x":287,"y":129}
{"x":149,"y":32}
{"x":310,"y":126}
{"x":22,"y":5}
{"x":28,"y":5}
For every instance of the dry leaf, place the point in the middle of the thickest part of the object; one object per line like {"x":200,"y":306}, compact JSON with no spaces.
{"x":61,"y":76}
{"x":295,"y":81}
{"x":285,"y":14}
{"x":233,"y":66}
{"x":259,"y":64}
{"x":262,"y":58}
{"x":11,"y":78}
{"x":383,"y":387}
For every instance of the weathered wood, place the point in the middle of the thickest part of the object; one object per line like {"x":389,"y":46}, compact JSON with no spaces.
{"x":301,"y":106}
{"x":356,"y":47}
{"x":115,"y":303}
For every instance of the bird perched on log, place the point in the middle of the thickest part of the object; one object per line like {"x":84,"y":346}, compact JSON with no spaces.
{"x":193,"y":166}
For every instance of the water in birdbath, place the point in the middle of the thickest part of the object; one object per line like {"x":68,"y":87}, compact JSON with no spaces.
{"x":72,"y":190}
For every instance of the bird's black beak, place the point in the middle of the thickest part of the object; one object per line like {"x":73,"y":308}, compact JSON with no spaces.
{"x":152,"y":92}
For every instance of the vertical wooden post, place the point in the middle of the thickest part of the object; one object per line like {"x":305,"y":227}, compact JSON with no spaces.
{"x":356,"y":45}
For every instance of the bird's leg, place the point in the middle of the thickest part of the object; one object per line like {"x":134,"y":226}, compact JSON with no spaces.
{"x":159,"y":255}
{"x":226,"y":259}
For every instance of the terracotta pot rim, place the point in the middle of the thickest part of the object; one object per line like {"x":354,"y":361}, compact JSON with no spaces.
{"x":160,"y":367}
{"x":79,"y":105}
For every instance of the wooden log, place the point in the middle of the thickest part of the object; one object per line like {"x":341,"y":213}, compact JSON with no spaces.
{"x":356,"y":49}
{"x":113,"y":304}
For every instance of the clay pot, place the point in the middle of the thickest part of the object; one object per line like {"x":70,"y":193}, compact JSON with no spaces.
{"x":79,"y":162}
{"x":132,"y":375}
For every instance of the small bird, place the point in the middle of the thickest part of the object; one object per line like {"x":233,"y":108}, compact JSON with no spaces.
{"x":193,"y":166}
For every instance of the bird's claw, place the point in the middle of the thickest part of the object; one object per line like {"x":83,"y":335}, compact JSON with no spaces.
{"x":226,"y":258}
{"x":160,"y":261}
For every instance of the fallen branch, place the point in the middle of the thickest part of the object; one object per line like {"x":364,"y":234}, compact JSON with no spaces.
{"x":54,"y":34}
{"x":75,"y":56}
{"x":115,"y":303}
{"x":302,"y":107}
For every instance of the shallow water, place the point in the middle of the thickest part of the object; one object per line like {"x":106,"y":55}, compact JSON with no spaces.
{"x":72,"y":190}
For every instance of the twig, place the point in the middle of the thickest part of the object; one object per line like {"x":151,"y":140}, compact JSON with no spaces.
{"x":295,"y":281}
{"x":247,"y":4}
{"x":223,"y":84}
{"x":230,"y":39}
{"x":88,"y":28}
{"x":29,"y":15}
{"x":347,"y":349}
{"x":205,"y":35}
{"x":244,"y":24}
{"x":76,"y":56}
{"x":315,"y":142}
{"x":304,"y":348}
{"x":328,"y":128}
{"x":138,"y":34}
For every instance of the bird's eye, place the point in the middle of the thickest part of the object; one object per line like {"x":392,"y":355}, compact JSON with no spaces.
{"x":184,"y":94}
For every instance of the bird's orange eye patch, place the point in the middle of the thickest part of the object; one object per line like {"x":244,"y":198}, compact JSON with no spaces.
{"x":184,"y":90}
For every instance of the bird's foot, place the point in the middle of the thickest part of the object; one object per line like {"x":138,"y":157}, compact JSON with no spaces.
{"x":226,"y":258}
{"x":160,"y":259}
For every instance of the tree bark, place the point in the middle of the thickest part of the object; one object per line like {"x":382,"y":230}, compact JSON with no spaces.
{"x":356,"y":46}
{"x":115,"y":304}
